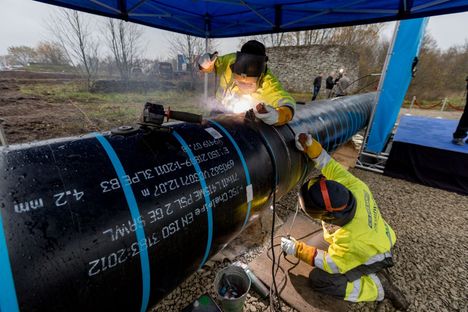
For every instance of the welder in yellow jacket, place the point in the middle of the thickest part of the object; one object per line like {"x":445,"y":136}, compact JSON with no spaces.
{"x":246,"y":73}
{"x":359,"y":240}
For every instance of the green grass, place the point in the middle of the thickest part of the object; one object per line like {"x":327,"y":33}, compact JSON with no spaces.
{"x":108,"y":110}
{"x":62,"y":93}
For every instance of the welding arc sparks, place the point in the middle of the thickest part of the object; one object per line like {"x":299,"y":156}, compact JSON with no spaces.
{"x":238,"y":104}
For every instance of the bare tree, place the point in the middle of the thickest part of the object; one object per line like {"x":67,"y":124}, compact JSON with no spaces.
{"x":21,"y":55}
{"x":270,"y":40}
{"x":72,"y":31}
{"x":51,"y":53}
{"x":124,"y":41}
{"x":349,"y":36}
{"x":191,"y":47}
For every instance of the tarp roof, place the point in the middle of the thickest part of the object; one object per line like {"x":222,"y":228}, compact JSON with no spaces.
{"x":231,"y":18}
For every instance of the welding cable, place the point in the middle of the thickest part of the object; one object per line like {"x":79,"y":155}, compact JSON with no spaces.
{"x":275,"y":185}
{"x":302,"y":180}
{"x":273,"y":222}
{"x":277,"y":262}
{"x":293,"y":220}
{"x":367,"y":85}
{"x":284,"y":280}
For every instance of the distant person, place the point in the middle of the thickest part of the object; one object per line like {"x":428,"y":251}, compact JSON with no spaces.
{"x":329,"y":84}
{"x":317,"y":86}
{"x":460,"y":134}
{"x":342,"y":85}
{"x":340,"y":74}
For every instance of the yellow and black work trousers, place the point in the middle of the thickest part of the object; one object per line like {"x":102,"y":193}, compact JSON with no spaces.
{"x":364,"y":288}
{"x":358,"y":284}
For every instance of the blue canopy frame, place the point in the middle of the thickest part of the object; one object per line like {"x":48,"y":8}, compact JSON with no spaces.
{"x":232,"y":18}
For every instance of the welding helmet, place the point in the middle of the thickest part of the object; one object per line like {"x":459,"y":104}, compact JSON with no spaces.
{"x":327,"y":200}
{"x":251,"y":60}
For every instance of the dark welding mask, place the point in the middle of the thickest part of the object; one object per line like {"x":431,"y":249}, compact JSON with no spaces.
{"x":249,"y":65}
{"x":327,"y":200}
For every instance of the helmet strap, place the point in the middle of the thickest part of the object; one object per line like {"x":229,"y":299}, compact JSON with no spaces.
{"x":326,"y":197}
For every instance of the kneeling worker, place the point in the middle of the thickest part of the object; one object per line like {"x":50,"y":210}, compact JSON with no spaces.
{"x":246,"y":73}
{"x":357,"y":240}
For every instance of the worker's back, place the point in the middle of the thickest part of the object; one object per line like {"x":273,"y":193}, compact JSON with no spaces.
{"x":367,"y":238}
{"x":342,"y":86}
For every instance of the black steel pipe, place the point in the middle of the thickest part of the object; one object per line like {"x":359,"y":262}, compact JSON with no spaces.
{"x":117,"y":221}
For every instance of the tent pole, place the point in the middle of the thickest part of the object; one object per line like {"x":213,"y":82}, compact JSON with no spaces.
{"x":205,"y":93}
{"x":379,"y":88}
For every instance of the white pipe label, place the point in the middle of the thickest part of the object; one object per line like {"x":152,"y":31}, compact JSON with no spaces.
{"x":249,"y":191}
{"x":214,"y":133}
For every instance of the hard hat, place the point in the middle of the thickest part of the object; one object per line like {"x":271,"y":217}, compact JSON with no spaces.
{"x":327,"y":200}
{"x":251,"y":60}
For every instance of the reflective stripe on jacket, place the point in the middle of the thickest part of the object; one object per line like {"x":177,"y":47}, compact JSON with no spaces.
{"x":269,"y":91}
{"x":358,"y":249}
{"x":366,"y":239}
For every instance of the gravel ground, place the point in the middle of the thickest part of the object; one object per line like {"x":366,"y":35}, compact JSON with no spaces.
{"x":430,"y":254}
{"x":431,"y":250}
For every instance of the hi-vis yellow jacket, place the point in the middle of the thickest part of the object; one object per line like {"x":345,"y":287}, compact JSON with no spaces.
{"x":366,"y":240}
{"x":269,"y":92}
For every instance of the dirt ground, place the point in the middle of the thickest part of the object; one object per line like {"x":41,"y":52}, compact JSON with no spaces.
{"x":28,"y":118}
{"x":43,"y":106}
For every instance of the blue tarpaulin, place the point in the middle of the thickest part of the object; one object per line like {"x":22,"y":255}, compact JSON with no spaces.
{"x":397,"y":78}
{"x":230,"y":18}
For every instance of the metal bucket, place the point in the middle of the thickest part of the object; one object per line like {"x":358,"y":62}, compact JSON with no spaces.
{"x":232,"y":285}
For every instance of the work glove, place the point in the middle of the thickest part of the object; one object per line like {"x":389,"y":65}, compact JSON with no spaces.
{"x":207,"y":60}
{"x":288,"y":245}
{"x":273,"y":116}
{"x":305,"y":143}
{"x":266,"y":113}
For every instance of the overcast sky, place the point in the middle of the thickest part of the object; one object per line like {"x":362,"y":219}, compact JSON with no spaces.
{"x":22,"y":22}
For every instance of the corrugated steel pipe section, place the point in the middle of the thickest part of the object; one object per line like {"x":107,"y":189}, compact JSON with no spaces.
{"x":107,"y":222}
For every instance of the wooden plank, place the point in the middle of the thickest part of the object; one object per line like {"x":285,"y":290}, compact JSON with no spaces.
{"x":297,"y":292}
{"x":346,"y":155}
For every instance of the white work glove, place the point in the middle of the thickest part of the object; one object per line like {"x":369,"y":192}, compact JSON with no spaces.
{"x":288,"y":245}
{"x":207,"y":60}
{"x":308,"y":141}
{"x":268,"y":114}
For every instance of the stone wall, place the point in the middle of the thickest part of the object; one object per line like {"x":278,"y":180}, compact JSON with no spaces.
{"x":296,"y":67}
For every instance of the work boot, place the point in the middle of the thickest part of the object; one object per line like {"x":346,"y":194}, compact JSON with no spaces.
{"x":458,"y":141}
{"x":392,"y":292}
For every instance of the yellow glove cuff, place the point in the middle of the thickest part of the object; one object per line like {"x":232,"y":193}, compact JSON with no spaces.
{"x":305,"y":253}
{"x":285,"y":115}
{"x":314,"y":150}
